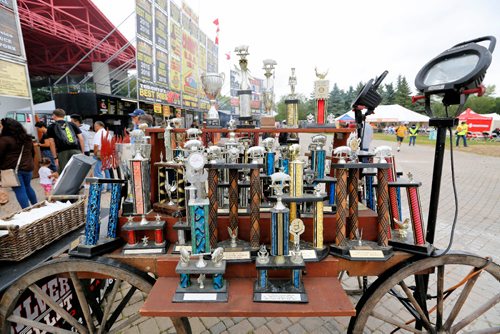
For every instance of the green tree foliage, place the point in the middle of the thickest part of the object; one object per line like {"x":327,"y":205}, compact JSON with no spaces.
{"x":304,"y":107}
{"x":336,"y":101}
{"x":388,"y":93}
{"x":402,"y":95}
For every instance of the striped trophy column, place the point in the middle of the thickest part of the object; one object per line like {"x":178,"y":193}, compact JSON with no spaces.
{"x":394,"y":196}
{"x":255,"y":198}
{"x":162,"y":177}
{"x":213,"y":180}
{"x":233,"y":199}
{"x":114,"y":208}
{"x":383,"y":208}
{"x":181,"y":192}
{"x":341,"y":201}
{"x":352,"y":220}
{"x":416,"y":214}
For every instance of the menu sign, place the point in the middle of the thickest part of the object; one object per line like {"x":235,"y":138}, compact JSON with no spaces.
{"x":9,"y":36}
{"x":13,"y":79}
{"x":144,"y":60}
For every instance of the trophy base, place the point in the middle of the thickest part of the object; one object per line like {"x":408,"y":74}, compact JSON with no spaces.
{"x":172,"y":210}
{"x":127,"y":208}
{"x":292,"y":140}
{"x":245,"y":122}
{"x":241,"y":252}
{"x":213,"y":124}
{"x":102,"y":247}
{"x":367,"y":251}
{"x":176,"y":249}
{"x":310,"y":253}
{"x":150,"y":247}
{"x":267,"y":122}
{"x":425,"y":249}
{"x":279,"y":291}
{"x":195,"y":294}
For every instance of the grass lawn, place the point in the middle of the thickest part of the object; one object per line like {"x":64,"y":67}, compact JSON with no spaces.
{"x":474,"y":146}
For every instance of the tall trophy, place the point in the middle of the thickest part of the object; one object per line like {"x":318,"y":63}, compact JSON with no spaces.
{"x":292,"y":103}
{"x":245,"y":91}
{"x":267,"y":121}
{"x":212,"y":84}
{"x":321,"y":94}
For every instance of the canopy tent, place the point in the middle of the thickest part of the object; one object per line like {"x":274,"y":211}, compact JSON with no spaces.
{"x":475,"y":121}
{"x":345,"y":118}
{"x":496,"y":120}
{"x":392,"y":113}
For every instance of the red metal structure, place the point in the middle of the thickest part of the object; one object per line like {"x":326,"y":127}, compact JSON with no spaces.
{"x":58,"y":33}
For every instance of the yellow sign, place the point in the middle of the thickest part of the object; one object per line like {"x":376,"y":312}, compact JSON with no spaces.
{"x":166,"y":111}
{"x":157,"y":108}
{"x":13,"y":79}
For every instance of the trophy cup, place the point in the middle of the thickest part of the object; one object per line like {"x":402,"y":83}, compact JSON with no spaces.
{"x":245,"y":91}
{"x":212,"y":84}
{"x":267,"y":121}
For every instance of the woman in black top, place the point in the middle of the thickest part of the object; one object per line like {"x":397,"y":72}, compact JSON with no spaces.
{"x":13,"y":141}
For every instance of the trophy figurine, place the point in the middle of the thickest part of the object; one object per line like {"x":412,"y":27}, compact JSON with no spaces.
{"x":212,"y":84}
{"x":245,"y":91}
{"x":267,"y":121}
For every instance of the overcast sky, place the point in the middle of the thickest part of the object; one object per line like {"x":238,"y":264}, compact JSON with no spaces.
{"x":354,"y":40}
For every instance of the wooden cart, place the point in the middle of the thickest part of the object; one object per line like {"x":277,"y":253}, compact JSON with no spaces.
{"x":411,"y":293}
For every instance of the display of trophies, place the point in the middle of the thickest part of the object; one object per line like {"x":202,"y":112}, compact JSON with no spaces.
{"x":206,"y":289}
{"x":267,"y":121}
{"x":281,"y":258}
{"x":245,"y":91}
{"x":143,"y":245}
{"x":212,"y":84}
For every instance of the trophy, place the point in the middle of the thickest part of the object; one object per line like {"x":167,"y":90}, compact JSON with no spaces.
{"x":268,"y":120}
{"x":321,"y":94}
{"x":268,"y":144}
{"x":245,"y":91}
{"x":213,"y":289}
{"x":212,"y":84}
{"x":167,"y":140}
{"x":320,"y":155}
{"x":124,"y":155}
{"x":292,"y":103}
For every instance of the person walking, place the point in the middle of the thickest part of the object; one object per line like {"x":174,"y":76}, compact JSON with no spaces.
{"x":67,"y":137}
{"x":44,"y":144}
{"x":17,"y":152}
{"x":413,"y":134}
{"x":100,"y":135}
{"x":462,"y":130}
{"x":46,"y":176}
{"x":85,"y":129}
{"x":401,"y":132}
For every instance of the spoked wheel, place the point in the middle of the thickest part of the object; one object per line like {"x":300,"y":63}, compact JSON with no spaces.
{"x":463,"y":295}
{"x":67,"y":295}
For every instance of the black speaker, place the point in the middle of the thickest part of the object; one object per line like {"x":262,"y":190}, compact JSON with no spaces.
{"x":73,"y":175}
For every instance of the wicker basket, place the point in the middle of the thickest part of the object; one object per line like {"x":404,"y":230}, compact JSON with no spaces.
{"x":21,"y":242}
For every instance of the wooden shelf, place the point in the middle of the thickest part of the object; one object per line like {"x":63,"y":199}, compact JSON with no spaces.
{"x":326,"y":299}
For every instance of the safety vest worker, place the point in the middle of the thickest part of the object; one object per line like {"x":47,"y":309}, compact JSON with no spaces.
{"x":413,"y":131}
{"x":462,"y":129}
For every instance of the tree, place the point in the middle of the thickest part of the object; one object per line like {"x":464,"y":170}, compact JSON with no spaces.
{"x":336,"y":101}
{"x":387,"y":93}
{"x":403,"y":93}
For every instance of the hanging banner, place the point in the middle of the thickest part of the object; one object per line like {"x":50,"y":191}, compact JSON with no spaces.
{"x":9,"y":36}
{"x":152,"y":93}
{"x":189,"y":70}
{"x":161,"y":68}
{"x":144,"y":61}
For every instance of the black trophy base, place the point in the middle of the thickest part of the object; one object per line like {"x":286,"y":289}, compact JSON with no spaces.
{"x":425,"y":249}
{"x":279,"y":291}
{"x":310,"y":253}
{"x":149,"y":247}
{"x":245,"y":123}
{"x":102,"y":247}
{"x":245,"y":126}
{"x":195,"y":294}
{"x":127,"y":208}
{"x":213,"y":124}
{"x":241,"y":252}
{"x":176,"y":249}
{"x":367,"y":251}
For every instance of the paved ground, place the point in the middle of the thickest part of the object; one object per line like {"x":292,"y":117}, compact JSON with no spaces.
{"x":478,"y":186}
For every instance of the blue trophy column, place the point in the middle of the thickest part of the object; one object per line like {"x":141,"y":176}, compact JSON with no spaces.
{"x":218,"y":281}
{"x":262,"y":279}
{"x":286,"y":166}
{"x":331,"y":199}
{"x":370,"y":203}
{"x":93,"y":214}
{"x":199,"y":225}
{"x":185,"y":281}
{"x":320,"y":164}
{"x":313,"y":160}
{"x":296,"y":274}
{"x":270,"y":159}
{"x":279,"y":232}
{"x":113,"y":209}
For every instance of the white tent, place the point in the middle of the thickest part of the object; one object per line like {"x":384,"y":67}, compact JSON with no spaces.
{"x":393,"y":113}
{"x":496,"y":120}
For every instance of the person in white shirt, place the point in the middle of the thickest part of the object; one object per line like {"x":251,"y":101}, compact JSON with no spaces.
{"x":100,"y":133}
{"x":46,"y":176}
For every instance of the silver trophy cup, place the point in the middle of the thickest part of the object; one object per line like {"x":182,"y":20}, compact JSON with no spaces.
{"x":212,"y":84}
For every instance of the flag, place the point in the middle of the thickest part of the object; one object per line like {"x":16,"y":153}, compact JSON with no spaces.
{"x":216,"y":22}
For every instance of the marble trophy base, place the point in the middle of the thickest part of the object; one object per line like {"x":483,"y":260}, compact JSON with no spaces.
{"x":194,"y":294}
{"x":150,"y":247}
{"x":408,"y":245}
{"x":245,"y":123}
{"x":279,"y":291}
{"x":172,"y":210}
{"x":103,"y":246}
{"x":367,"y":251}
{"x":242,"y":252}
{"x":182,"y":225}
{"x":310,"y":253}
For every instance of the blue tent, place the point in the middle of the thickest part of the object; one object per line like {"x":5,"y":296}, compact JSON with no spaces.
{"x":345,"y":118}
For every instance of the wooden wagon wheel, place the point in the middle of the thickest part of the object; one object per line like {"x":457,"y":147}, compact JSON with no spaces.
{"x":456,"y":282}
{"x":128,"y":284}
